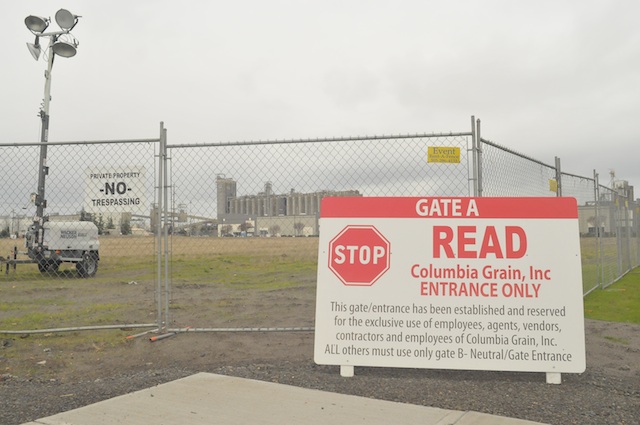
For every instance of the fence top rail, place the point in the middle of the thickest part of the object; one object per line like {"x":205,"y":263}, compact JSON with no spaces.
{"x":320,"y":140}
{"x":81,"y":142}
{"x":523,"y":156}
{"x":589,"y":179}
{"x":613,"y":191}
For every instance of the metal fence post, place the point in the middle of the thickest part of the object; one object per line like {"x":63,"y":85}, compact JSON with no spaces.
{"x":479,"y":164}
{"x":158,"y":229}
{"x":627,"y":226}
{"x":474,"y":152}
{"x":598,"y":235}
{"x":558,"y":177}
{"x":163,"y":144}
{"x":618,"y":233}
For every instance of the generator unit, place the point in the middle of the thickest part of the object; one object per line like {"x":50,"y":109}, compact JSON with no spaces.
{"x":64,"y":242}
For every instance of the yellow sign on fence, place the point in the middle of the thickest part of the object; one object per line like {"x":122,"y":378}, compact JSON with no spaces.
{"x":449,"y":155}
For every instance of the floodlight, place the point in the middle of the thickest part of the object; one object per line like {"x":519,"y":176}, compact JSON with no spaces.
{"x":65,"y":19}
{"x":64,"y":49}
{"x":61,"y":43}
{"x":36,"y":23}
{"x":34,"y":48}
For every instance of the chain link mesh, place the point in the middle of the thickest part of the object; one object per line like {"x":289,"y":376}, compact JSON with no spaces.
{"x":247,"y":214}
{"x":583,"y":189}
{"x":95,"y":193}
{"x":241,"y":217}
{"x":607,"y":222}
{"x":507,"y":173}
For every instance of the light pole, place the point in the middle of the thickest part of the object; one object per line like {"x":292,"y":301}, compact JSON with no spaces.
{"x":63,"y":44}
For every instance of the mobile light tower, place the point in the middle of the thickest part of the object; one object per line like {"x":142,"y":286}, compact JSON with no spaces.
{"x":61,"y":43}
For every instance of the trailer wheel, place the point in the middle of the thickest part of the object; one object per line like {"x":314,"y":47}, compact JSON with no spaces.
{"x":88,"y":267}
{"x":48,"y":266}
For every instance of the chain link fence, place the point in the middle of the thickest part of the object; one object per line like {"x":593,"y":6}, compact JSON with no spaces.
{"x":244,"y":217}
{"x":608,"y":217}
{"x":504,"y":172}
{"x":91,"y":260}
{"x":212,"y":236}
{"x":584,"y":190}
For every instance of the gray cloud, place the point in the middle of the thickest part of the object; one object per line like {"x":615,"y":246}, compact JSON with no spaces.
{"x":549,"y":78}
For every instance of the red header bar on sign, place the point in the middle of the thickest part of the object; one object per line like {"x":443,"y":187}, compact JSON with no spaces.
{"x":414,"y":207}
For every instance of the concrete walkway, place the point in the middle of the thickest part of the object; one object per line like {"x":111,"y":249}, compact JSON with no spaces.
{"x":206,"y":398}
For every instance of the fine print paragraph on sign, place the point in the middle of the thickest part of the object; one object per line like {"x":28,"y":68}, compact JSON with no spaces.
{"x":469,"y":283}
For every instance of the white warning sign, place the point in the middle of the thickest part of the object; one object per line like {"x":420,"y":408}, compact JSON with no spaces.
{"x":116,"y":190}
{"x":450,"y":283}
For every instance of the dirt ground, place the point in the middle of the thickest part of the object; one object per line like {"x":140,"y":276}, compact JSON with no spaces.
{"x":48,"y":379}
{"x":613,"y":350}
{"x":43,"y":374}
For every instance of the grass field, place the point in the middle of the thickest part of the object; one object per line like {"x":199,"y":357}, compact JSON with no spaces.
{"x":204,"y":272}
{"x":134,"y":258}
{"x":219,"y":283}
{"x":619,"y":302}
{"x":126,"y":285}
{"x":595,"y":270}
{"x":226,"y":282}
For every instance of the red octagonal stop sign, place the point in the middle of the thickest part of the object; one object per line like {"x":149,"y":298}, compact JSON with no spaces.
{"x":359,"y":255}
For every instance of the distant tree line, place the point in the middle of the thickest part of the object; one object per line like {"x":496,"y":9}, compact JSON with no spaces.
{"x":98,"y":220}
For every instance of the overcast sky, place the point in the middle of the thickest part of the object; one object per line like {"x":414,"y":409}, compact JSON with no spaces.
{"x":546,"y":78}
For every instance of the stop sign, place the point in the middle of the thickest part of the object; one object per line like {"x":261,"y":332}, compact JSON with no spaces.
{"x":359,"y":255}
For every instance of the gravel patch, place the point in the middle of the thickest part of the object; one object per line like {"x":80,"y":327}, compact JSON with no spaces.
{"x":608,"y":392}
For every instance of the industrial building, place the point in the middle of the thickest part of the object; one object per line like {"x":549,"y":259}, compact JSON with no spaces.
{"x":614,"y":213}
{"x":268,"y":213}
